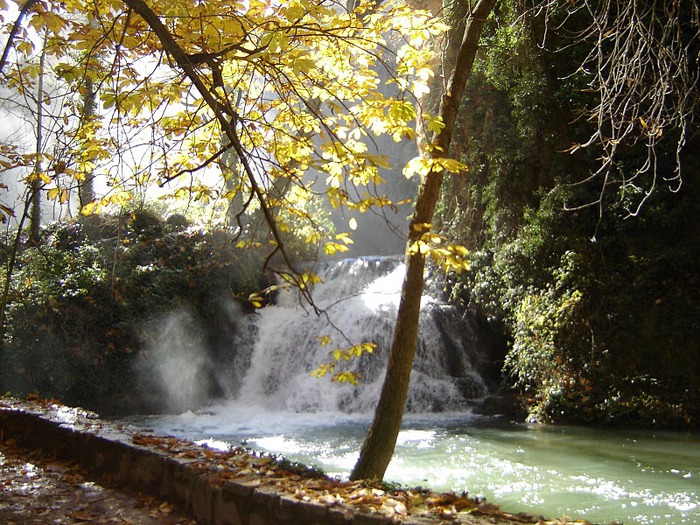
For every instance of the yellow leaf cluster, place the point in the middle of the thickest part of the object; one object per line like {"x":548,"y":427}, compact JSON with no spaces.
{"x":62,"y":195}
{"x":300,"y":84}
{"x":448,"y":256}
{"x":342,"y":354}
{"x":333,"y":247}
{"x":117,"y":199}
{"x":423,"y":165}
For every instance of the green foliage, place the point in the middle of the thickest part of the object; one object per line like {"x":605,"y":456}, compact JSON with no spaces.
{"x":81,"y":300}
{"x":598,"y":308}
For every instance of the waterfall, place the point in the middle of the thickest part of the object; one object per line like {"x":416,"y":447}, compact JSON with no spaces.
{"x":282,"y":344}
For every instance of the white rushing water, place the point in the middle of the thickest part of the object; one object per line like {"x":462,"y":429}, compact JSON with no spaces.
{"x":641,"y":477}
{"x":360,"y":297}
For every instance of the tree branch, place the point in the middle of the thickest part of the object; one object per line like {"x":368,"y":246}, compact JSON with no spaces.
{"x":182,"y":59}
{"x":15,"y":28}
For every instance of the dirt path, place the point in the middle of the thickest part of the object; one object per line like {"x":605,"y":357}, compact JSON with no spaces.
{"x":36,"y":490}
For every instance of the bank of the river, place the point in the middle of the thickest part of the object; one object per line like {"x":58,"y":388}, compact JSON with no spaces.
{"x":234,"y":487}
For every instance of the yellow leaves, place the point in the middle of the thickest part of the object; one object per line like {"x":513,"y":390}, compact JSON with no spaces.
{"x":131,"y":101}
{"x":294,"y":12}
{"x":347,"y":376}
{"x":51,"y":21}
{"x":196,"y":192}
{"x":275,"y":42}
{"x":344,"y":237}
{"x":43,"y":177}
{"x":25,"y":47}
{"x":416,"y":56}
{"x":90,"y":208}
{"x":419,"y":26}
{"x":342,"y":354}
{"x":10,"y":158}
{"x":257,"y":300}
{"x":651,"y":127}
{"x":331,"y":248}
{"x":422,"y":228}
{"x":312,"y":238}
{"x":60,"y":194}
{"x":423,"y":165}
{"x":417,"y":166}
{"x":302,"y":80}
{"x":449,"y":165}
{"x":109,"y":99}
{"x":118,"y":199}
{"x":379,"y":161}
{"x":449,"y":257}
{"x":323,"y":369}
{"x":401,"y":111}
{"x":420,"y":86}
{"x":248,"y":244}
{"x":303,"y":281}
{"x":303,"y":64}
{"x":436,"y":124}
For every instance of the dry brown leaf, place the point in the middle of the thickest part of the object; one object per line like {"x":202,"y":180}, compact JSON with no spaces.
{"x":82,"y":515}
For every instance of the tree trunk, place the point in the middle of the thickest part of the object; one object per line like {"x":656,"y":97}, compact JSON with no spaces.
{"x":36,"y":184}
{"x":9,"y":269}
{"x":86,"y":191}
{"x":379,"y":444}
{"x":26,"y":7}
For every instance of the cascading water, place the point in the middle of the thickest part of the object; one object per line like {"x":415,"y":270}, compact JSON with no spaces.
{"x":275,"y":405}
{"x":359,"y":298}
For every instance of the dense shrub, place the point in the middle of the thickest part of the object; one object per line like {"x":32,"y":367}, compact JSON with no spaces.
{"x":81,"y":302}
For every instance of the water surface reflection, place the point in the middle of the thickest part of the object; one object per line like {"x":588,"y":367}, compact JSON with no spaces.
{"x":629,"y":476}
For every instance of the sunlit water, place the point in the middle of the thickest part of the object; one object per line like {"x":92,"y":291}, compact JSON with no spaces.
{"x":641,"y":477}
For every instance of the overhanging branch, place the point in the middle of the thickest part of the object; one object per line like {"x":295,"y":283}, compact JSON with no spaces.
{"x":225,"y":115}
{"x":26,"y":7}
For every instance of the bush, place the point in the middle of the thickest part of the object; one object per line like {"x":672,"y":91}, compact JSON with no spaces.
{"x":80,"y":303}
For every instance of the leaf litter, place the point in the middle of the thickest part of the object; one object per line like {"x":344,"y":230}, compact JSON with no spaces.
{"x":36,"y":489}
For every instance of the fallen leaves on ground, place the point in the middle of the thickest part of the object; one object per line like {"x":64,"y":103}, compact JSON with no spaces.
{"x":309,"y":485}
{"x":37,"y":490}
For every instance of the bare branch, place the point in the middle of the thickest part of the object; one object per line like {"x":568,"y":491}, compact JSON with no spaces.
{"x":643,"y":65}
{"x":26,"y":7}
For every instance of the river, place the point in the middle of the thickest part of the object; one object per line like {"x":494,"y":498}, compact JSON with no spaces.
{"x":603,"y":475}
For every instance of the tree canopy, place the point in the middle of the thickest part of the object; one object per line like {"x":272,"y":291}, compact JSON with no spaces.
{"x":282,"y":100}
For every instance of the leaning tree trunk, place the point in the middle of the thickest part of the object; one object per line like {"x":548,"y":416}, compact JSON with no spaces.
{"x":379,"y":444}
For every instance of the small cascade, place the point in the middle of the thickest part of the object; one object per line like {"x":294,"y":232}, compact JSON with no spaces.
{"x":282,"y":345}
